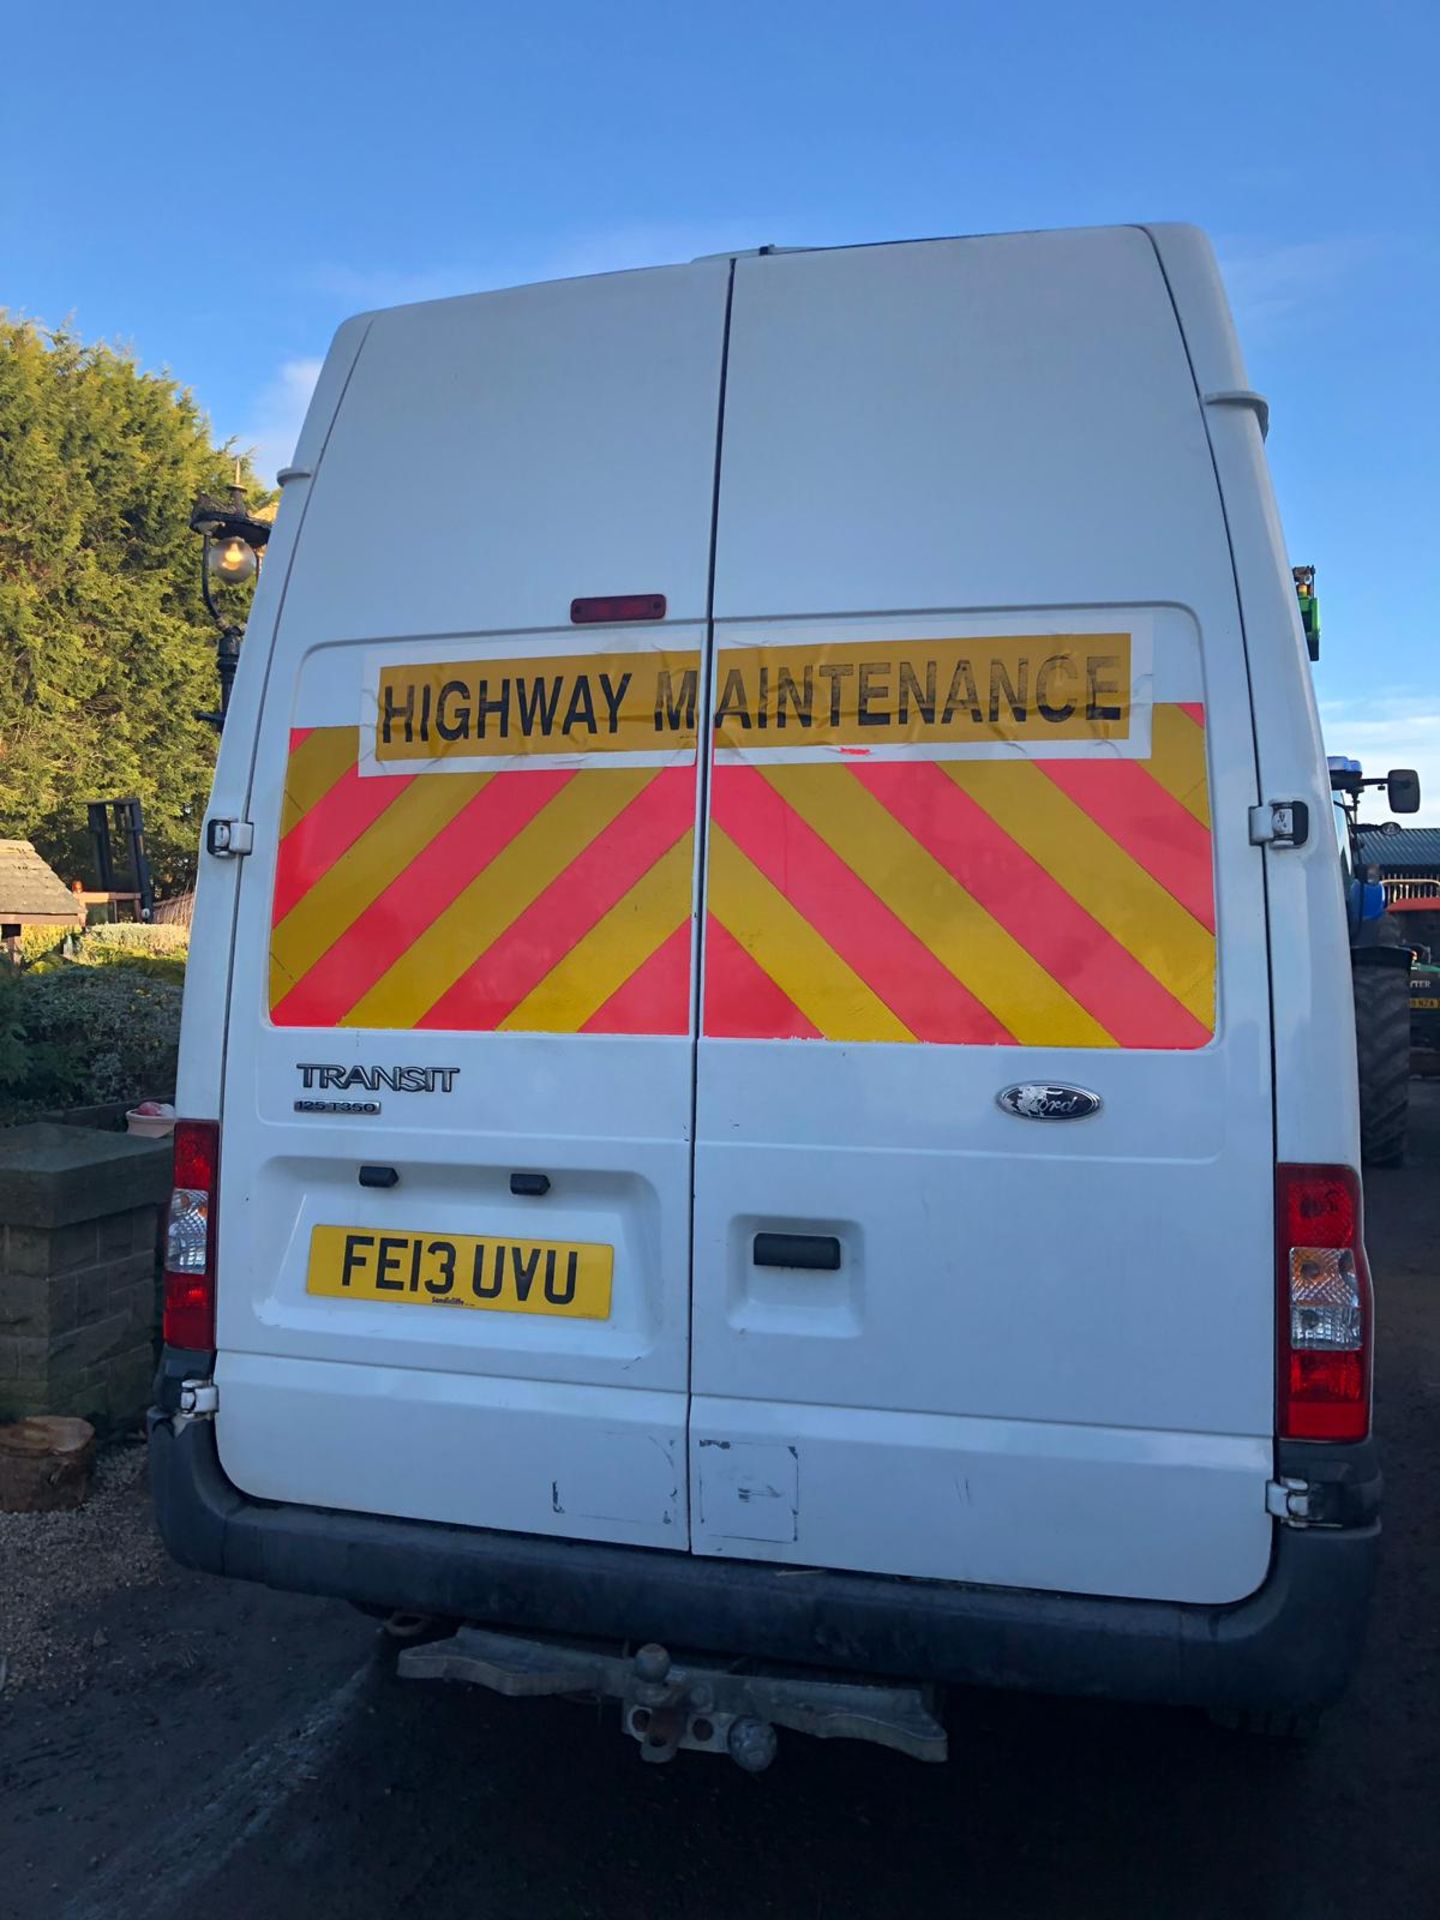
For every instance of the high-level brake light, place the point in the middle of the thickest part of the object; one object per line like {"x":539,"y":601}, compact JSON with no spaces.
{"x":617,"y":608}
{"x":1325,"y":1308}
{"x":189,"y":1316}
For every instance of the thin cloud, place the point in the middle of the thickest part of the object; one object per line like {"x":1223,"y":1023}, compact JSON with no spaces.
{"x":278,"y":415}
{"x":357,"y":289}
{"x":1272,"y":287}
{"x":1395,"y":731}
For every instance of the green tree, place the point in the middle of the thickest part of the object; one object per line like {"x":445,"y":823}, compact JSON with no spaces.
{"x":105,"y":647}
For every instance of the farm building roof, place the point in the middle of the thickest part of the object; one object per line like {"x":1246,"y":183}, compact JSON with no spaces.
{"x":31,"y":892}
{"x":1407,"y":850}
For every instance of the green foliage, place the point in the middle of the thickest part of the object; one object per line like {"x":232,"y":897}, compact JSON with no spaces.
{"x":12,"y":1036}
{"x":126,"y":938}
{"x":37,"y":943}
{"x":107,"y":648}
{"x":85,"y":1036}
{"x":159,"y":966}
{"x":159,"y":949}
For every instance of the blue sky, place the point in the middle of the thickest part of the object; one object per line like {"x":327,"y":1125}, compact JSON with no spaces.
{"x":219,"y":189}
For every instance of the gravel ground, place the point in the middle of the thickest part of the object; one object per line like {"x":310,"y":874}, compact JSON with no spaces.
{"x":53,"y":1565}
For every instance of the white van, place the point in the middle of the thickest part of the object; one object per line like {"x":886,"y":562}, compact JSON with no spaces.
{"x":768,"y":1045}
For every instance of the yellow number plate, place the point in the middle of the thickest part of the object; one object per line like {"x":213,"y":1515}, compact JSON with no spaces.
{"x":459,"y":1270}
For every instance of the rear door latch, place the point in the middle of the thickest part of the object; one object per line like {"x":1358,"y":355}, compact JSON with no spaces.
{"x":227,"y":838}
{"x":1280,"y":823}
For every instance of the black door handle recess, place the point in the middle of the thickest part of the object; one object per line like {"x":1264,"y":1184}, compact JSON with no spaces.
{"x":818,"y":1251}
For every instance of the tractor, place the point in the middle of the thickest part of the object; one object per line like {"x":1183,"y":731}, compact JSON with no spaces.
{"x":1380,"y":960}
{"x":1424,"y":1012}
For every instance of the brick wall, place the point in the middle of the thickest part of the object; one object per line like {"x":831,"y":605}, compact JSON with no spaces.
{"x":79,"y":1305}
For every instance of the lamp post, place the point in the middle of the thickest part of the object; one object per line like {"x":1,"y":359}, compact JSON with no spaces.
{"x":232,"y":543}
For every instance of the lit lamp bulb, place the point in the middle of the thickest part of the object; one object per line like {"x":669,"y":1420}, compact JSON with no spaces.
{"x":233,"y":560}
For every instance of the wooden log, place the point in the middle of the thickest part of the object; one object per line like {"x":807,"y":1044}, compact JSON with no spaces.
{"x":45,"y":1463}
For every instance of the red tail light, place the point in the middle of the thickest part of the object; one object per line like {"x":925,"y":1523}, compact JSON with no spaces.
{"x":1325,"y":1311}
{"x":189,"y":1319}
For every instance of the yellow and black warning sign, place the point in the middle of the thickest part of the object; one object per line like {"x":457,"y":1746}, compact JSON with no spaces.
{"x":567,"y":704}
{"x":924,"y":697}
{"x":924,"y":693}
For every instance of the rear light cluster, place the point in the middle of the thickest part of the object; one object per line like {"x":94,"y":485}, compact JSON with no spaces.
{"x":189,"y":1319}
{"x":1325,"y":1306}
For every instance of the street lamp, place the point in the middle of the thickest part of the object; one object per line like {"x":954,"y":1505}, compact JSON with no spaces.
{"x":232,"y":542}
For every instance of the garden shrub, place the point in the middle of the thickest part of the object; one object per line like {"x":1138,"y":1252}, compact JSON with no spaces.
{"x":80,"y":1036}
{"x":37,"y":943}
{"x":160,"y":950}
{"x":108,"y":942}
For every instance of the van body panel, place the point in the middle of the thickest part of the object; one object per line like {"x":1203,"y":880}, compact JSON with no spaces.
{"x":604,"y":1463}
{"x":205,"y":1016}
{"x":484,"y":440}
{"x":716,"y":979}
{"x":461,"y":960}
{"x":1018,"y":435}
{"x":1037,"y":1504}
{"x":994,"y":411}
{"x":1316,"y":1104}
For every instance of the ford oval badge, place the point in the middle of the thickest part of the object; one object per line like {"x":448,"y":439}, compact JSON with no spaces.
{"x":1037,"y":1100}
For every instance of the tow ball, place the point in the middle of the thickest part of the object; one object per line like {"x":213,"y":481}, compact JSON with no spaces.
{"x":667,"y":1704}
{"x":670,"y":1710}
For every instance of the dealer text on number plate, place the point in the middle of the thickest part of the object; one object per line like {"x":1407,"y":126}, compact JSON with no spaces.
{"x":461,"y":1270}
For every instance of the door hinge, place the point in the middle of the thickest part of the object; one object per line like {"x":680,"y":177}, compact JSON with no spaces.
{"x":1288,"y":1500}
{"x":227,"y":838}
{"x":199,"y":1400}
{"x":1280,"y":823}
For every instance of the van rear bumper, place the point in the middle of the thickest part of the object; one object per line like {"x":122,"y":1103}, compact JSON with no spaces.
{"x":1291,"y":1645}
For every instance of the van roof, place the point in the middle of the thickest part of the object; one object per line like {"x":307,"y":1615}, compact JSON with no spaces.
{"x":778,"y":250}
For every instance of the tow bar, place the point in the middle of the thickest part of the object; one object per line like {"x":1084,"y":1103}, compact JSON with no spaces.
{"x":667,"y":1704}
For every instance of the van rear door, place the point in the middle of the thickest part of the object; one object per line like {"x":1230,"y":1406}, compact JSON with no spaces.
{"x":455,"y":1201}
{"x":978,"y":806}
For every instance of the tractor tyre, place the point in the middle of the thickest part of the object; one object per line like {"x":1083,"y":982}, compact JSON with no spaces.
{"x":1382,"y":1050}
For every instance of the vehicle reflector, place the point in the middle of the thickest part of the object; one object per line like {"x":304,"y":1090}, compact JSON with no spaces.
{"x":189,"y":1316}
{"x":1325,"y":1308}
{"x":617,"y":607}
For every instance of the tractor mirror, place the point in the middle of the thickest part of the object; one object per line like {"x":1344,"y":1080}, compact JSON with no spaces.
{"x":1402,"y":790}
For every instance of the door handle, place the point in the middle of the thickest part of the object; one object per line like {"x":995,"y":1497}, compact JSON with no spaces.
{"x":818,"y":1251}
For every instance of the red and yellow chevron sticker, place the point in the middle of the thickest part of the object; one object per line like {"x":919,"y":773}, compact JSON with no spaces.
{"x":953,"y":841}
{"x":547,"y":900}
{"x":1062,"y":902}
